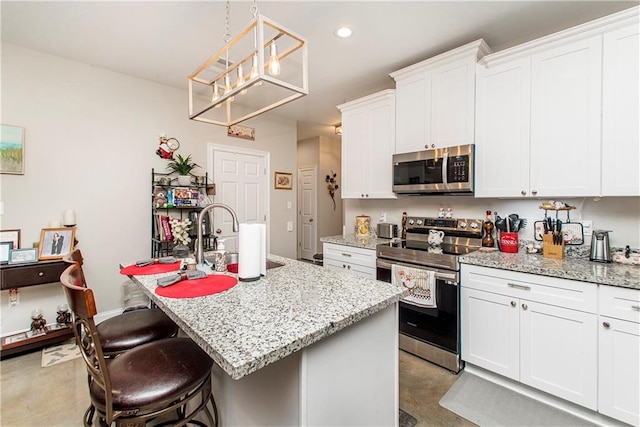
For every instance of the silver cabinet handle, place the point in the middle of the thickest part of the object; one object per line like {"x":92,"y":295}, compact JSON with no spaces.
{"x":524,"y":193}
{"x":524,"y":306}
{"x":534,"y":192}
{"x":345,"y":254}
{"x":513,"y":303}
{"x":523,"y":287}
{"x":361,"y":194}
{"x":635,"y":307}
{"x":606,"y":325}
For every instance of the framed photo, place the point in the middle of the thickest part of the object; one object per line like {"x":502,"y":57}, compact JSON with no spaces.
{"x":11,"y":150}
{"x":5,"y":250}
{"x":56,"y":242}
{"x":12,"y":236}
{"x":283,"y":181}
{"x":23,"y":256}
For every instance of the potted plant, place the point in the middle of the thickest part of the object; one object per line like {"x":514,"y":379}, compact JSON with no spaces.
{"x":182,"y":166}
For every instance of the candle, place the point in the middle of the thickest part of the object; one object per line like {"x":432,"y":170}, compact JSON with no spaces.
{"x":54,"y":224}
{"x":69,"y":217}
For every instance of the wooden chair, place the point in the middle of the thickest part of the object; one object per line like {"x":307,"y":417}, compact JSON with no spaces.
{"x":130,"y":329}
{"x":149,"y":382}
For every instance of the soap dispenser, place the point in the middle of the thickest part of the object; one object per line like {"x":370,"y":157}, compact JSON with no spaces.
{"x":220,"y":257}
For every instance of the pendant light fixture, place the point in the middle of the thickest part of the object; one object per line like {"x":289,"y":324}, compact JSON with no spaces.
{"x":276,"y":59}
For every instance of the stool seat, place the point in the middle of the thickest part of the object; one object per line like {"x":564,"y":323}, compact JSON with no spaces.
{"x":133,"y":328}
{"x":161,"y":371}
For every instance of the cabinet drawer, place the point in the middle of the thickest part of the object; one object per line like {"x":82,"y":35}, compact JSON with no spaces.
{"x":353,"y":268}
{"x":548,"y":290}
{"x":620,"y":303}
{"x":350,"y":254}
{"x":30,"y":275}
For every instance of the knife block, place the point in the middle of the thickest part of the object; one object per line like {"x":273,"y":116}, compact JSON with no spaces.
{"x":549,"y":249}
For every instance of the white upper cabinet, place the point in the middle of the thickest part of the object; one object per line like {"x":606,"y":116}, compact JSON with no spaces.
{"x":540,"y":130}
{"x":621,"y":112}
{"x":565,"y":120}
{"x":435,"y":100}
{"x":368,"y":143}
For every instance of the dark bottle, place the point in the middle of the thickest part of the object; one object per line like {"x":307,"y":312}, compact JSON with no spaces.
{"x":404,"y":225}
{"x":487,"y":240}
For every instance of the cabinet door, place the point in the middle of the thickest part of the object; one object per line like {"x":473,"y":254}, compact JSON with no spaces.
{"x":413,"y":113}
{"x":502,"y":129}
{"x":558,"y":352}
{"x":452,"y":103}
{"x":350,"y":268}
{"x":354,"y":148}
{"x":566,"y":119}
{"x":489,"y":331}
{"x":621,"y":109}
{"x":378,"y":172}
{"x":618,"y":372}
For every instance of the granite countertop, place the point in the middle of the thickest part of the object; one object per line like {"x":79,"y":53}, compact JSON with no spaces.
{"x":572,"y":268}
{"x":257,"y":323}
{"x":358,"y":242}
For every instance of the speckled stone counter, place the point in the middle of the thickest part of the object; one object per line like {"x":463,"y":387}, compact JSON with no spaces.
{"x":358,"y":242}
{"x":257,"y":323}
{"x":581,"y":269}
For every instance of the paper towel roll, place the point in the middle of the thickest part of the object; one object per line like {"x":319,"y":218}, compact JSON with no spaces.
{"x":252,"y":257}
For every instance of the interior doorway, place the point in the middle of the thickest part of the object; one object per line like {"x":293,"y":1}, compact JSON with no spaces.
{"x":241,"y":178}
{"x":307,"y":212}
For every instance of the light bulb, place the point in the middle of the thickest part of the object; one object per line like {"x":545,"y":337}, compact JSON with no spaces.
{"x":216,"y":94}
{"x":240,"y":81}
{"x":254,"y":69}
{"x":274,"y":62}
{"x":227,"y":87}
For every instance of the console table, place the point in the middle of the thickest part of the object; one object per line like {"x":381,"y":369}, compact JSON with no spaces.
{"x":23,"y":275}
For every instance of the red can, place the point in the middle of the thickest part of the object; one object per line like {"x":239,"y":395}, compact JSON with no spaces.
{"x":509,"y":242}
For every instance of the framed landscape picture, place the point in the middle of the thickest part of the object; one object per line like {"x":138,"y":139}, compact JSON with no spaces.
{"x":11,"y":150}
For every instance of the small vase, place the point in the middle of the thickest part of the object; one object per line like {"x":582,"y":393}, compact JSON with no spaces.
{"x":184,"y":180}
{"x":181,"y":251}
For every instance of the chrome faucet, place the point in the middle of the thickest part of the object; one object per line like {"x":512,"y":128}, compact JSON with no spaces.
{"x":200,"y":247}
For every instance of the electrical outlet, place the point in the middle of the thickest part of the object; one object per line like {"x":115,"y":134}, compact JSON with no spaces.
{"x":587,"y":229}
{"x":289,"y":225}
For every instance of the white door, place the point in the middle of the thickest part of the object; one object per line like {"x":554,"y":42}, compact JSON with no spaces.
{"x":308,"y":212}
{"x":241,"y":183}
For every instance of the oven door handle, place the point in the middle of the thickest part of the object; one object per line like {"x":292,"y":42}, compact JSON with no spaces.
{"x":452,"y":276}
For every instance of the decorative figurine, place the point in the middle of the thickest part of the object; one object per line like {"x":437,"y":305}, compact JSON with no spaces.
{"x":449,"y":213}
{"x":441,"y":213}
{"x":64,"y":317}
{"x":39,"y":322}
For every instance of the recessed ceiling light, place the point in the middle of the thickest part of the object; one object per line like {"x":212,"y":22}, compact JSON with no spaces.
{"x":343,"y":32}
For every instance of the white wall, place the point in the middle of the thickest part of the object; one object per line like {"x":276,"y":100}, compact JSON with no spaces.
{"x":91,"y":137}
{"x":620,"y":214}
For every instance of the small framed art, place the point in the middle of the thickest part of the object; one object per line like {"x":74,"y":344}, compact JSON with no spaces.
{"x":283,"y":181}
{"x":5,"y":250}
{"x":56,"y":242}
{"x":23,"y":256}
{"x":11,"y":150}
{"x":12,"y":236}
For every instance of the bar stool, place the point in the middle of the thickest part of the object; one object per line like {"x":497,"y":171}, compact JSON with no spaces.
{"x":146,"y":383}
{"x":130,"y":329}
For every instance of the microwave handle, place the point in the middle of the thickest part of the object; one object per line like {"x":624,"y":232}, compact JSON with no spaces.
{"x":445,"y":165}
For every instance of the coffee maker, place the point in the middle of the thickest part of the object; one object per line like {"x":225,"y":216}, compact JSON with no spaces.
{"x":600,"y":248}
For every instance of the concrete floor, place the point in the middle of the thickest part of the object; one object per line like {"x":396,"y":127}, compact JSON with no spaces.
{"x":32,"y":396}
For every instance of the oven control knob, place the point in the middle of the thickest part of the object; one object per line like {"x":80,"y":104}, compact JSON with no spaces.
{"x":411,"y":222}
{"x":474,"y":225}
{"x":419,"y":222}
{"x":462,"y":224}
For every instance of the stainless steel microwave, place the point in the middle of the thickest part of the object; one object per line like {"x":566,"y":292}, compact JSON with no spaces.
{"x":437,"y":171}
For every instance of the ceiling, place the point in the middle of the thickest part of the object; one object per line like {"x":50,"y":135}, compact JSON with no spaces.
{"x":165,"y":41}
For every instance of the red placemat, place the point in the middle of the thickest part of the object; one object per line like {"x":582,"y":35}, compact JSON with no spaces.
{"x":134,"y":270}
{"x":212,"y":284}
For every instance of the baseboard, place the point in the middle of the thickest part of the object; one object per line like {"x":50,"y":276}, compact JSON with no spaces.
{"x":555,"y":402}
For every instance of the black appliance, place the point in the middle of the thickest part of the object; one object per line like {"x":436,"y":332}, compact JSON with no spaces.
{"x":448,"y":170}
{"x":432,"y":333}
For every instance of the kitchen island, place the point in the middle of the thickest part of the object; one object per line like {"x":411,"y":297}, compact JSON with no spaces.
{"x":301,"y":346}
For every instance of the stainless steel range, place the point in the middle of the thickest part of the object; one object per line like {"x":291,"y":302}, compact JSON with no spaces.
{"x":426,"y":262}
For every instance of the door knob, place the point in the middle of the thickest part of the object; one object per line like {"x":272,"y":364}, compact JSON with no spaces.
{"x":310,"y":219}
{"x":218,"y":231}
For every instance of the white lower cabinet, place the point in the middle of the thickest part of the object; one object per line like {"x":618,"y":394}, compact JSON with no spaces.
{"x":619,"y":354}
{"x":540,"y":331}
{"x":359,"y":261}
